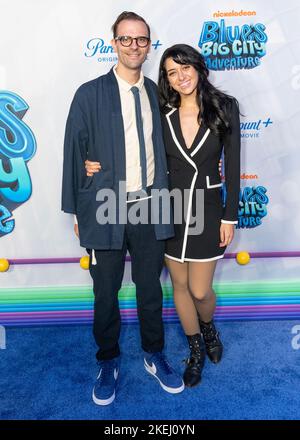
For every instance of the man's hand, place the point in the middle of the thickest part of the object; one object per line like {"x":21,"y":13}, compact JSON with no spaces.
{"x":226,"y":234}
{"x":92,"y":167}
{"x":76,"y":230}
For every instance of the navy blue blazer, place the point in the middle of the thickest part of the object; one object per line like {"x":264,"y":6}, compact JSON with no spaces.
{"x":95,"y":131}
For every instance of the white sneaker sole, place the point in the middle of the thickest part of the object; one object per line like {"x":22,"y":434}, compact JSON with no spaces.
{"x":108,"y":401}
{"x":103,"y":402}
{"x":168,"y":389}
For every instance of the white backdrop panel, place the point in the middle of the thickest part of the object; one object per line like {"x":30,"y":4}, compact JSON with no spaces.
{"x":43,"y":60}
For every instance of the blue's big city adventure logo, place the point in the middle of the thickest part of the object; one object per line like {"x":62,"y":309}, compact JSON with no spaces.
{"x":253,"y":202}
{"x":17,"y":147}
{"x":252,"y":206}
{"x":232,"y":47}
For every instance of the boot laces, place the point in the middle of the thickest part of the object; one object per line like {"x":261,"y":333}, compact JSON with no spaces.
{"x":210,"y":334}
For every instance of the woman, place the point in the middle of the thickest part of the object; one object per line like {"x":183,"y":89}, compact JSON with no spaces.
{"x":198,"y":122}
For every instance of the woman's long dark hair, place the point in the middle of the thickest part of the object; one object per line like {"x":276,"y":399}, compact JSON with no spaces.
{"x":212,"y":102}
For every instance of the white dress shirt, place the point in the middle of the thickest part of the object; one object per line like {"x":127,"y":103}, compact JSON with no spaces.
{"x":132,"y":147}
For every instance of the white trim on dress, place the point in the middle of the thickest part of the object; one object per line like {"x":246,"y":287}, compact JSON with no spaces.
{"x":209,"y":186}
{"x":201,"y":142}
{"x":185,"y":237}
{"x":228,"y":222}
{"x":94,"y":260}
{"x":194,"y":259}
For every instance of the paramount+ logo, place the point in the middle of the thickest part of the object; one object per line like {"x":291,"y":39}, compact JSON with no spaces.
{"x":99,"y":49}
{"x":253,"y":129}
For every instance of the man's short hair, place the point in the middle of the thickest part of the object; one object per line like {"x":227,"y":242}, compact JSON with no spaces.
{"x":128,"y":16}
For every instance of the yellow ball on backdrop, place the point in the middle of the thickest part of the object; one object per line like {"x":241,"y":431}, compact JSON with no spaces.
{"x":243,"y":258}
{"x":85,"y":262}
{"x":4,"y":264}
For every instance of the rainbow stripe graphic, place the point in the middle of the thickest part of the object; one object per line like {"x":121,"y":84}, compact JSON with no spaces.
{"x":74,"y":304}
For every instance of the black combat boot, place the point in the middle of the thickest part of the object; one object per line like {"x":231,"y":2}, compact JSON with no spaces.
{"x":213,"y":344}
{"x":192,"y":373}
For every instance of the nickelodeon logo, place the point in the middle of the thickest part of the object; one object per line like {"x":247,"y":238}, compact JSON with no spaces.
{"x":245,"y":176}
{"x":233,"y":13}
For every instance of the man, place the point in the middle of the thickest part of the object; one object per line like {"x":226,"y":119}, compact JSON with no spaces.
{"x":115,"y":120}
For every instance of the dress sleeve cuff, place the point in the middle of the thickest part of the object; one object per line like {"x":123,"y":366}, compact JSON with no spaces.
{"x":228,"y":222}
{"x":75,"y":220}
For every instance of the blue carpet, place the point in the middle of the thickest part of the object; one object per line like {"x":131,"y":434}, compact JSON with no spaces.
{"x":48,"y":373}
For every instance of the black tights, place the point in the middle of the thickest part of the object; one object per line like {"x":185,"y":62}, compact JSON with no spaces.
{"x":193,"y":293}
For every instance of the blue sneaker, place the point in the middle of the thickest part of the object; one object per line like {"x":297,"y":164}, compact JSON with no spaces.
{"x":157,"y":365}
{"x":104,"y":391}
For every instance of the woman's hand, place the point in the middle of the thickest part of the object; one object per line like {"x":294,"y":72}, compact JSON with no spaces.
{"x":220,"y":168}
{"x":92,"y":167}
{"x":226,"y":234}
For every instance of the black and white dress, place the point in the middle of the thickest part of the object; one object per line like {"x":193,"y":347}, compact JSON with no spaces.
{"x":197,"y":168}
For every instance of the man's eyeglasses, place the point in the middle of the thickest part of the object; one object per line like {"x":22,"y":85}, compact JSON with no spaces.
{"x":127,"y":41}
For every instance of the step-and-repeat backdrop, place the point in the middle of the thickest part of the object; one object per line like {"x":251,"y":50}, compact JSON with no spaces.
{"x":49,"y":48}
